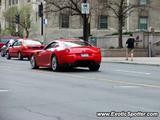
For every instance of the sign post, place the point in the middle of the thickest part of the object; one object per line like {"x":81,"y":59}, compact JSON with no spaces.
{"x":85,"y":11}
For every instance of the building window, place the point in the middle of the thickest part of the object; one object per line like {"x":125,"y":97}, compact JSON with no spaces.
{"x":13,"y":2}
{"x":143,"y":2}
{"x":103,"y":22}
{"x":10,"y":2}
{"x":143,"y":23}
{"x":64,"y":20}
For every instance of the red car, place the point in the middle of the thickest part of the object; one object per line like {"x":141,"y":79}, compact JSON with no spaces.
{"x":70,"y":52}
{"x":5,"y":39}
{"x":23,"y":48}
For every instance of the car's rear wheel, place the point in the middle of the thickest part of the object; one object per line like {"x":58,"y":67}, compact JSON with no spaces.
{"x":8,"y":55}
{"x":94,"y":66}
{"x":33,"y":63}
{"x":2,"y":53}
{"x":54,"y":64}
{"x":20,"y":57}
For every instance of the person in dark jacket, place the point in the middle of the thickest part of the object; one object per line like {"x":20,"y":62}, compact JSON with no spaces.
{"x":130,"y":47}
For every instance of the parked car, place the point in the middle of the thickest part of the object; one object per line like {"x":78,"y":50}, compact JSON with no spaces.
{"x":7,"y":45}
{"x":69,"y":52}
{"x":5,"y":39}
{"x":23,"y":48}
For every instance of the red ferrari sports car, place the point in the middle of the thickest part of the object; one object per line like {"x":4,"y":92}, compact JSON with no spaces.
{"x":23,"y":48}
{"x":68,"y":52}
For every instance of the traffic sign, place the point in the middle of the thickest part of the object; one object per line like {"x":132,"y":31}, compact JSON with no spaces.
{"x":85,"y":8}
{"x":45,"y":21}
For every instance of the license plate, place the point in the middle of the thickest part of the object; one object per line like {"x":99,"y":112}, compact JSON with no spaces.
{"x":84,"y":55}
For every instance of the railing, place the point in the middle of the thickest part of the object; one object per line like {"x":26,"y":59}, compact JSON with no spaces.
{"x":156,"y":48}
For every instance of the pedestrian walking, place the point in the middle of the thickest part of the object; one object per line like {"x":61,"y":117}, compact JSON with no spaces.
{"x":130,"y":47}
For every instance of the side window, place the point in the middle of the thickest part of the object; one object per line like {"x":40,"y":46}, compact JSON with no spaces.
{"x":18,"y":43}
{"x":52,"y":45}
{"x":15,"y":44}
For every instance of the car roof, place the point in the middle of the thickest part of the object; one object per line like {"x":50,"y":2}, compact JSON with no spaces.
{"x":22,"y":39}
{"x":68,"y":39}
{"x":9,"y":37}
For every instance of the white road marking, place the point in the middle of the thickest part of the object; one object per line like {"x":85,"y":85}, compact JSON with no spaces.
{"x":4,"y":90}
{"x":114,"y":81}
{"x":135,"y":72}
{"x":129,"y":87}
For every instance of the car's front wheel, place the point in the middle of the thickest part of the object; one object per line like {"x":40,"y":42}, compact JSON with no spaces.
{"x":33,"y":63}
{"x":20,"y":57}
{"x":54,"y":63}
{"x":8,"y":56}
{"x":94,"y":67}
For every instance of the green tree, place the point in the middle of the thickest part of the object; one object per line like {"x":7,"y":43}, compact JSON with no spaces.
{"x":24,"y":19}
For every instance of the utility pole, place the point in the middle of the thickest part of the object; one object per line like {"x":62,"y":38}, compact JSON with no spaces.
{"x":17,"y":20}
{"x":40,"y":12}
{"x":85,"y":22}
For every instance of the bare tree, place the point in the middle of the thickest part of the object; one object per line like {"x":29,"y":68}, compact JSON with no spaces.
{"x":24,"y":19}
{"x":72,"y":7}
{"x":122,"y":10}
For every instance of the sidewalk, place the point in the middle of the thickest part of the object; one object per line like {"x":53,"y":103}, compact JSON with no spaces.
{"x":155,"y":61}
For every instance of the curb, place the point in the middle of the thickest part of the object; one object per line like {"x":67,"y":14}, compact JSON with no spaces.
{"x":133,"y":63}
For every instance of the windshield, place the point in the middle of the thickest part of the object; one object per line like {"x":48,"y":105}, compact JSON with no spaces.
{"x":75,"y":43}
{"x":5,"y":40}
{"x":31,"y":42}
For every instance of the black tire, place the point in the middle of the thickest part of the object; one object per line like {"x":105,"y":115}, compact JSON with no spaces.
{"x":33,"y":63}
{"x":8,"y":56}
{"x":94,"y":66}
{"x":20,"y":57}
{"x":29,"y":58}
{"x":2,"y":53}
{"x":54,"y":63}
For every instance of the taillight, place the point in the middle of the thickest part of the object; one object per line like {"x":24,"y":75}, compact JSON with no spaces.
{"x":67,"y":50}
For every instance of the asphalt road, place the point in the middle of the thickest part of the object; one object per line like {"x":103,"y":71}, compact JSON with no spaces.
{"x":78,"y":94}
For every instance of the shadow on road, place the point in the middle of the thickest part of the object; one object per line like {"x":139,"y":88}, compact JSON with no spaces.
{"x":69,"y":70}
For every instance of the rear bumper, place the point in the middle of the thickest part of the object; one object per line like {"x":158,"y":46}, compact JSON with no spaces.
{"x":78,"y":61}
{"x":27,"y":53}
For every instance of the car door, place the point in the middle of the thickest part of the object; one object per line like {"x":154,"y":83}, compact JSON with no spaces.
{"x":44,"y":57}
{"x":13,"y":50}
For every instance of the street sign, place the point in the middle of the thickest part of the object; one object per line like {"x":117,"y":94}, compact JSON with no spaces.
{"x":85,"y":8}
{"x":45,"y":21}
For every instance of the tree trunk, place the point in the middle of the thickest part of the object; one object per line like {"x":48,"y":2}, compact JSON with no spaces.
{"x":120,"y":30}
{"x":26,"y":34}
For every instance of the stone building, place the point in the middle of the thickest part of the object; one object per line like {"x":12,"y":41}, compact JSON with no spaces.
{"x":103,"y":21}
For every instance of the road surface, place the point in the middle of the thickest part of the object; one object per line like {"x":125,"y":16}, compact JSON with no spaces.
{"x":78,"y":94}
